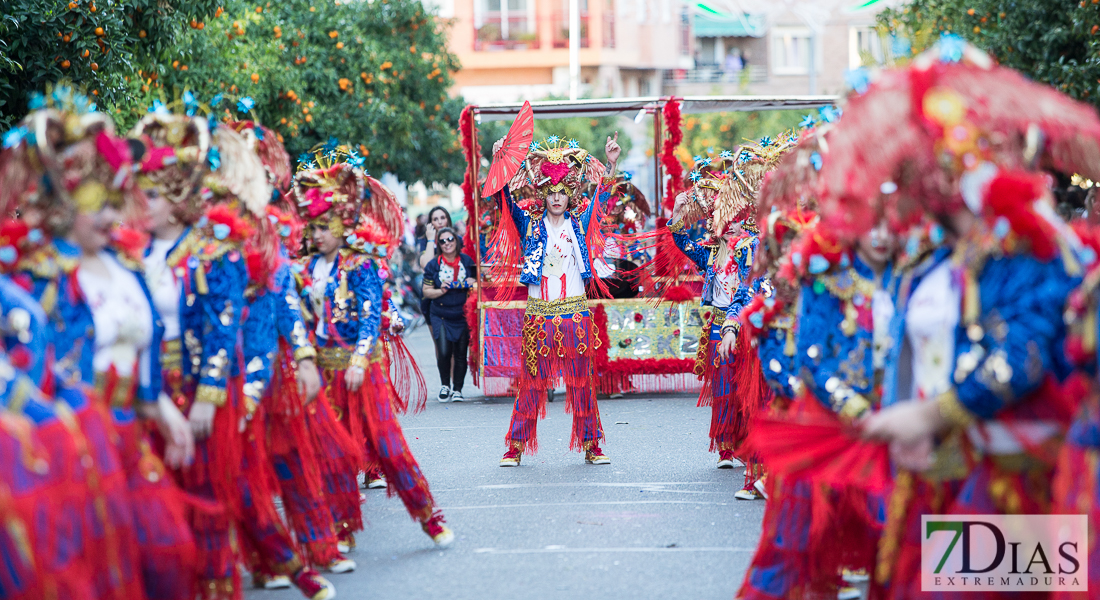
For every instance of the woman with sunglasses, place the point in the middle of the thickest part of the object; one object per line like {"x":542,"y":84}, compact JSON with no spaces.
{"x":447,"y":280}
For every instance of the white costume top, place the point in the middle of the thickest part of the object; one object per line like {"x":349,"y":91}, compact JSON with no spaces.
{"x":322,"y":275}
{"x":930,"y":321}
{"x":561,"y":273}
{"x":123,"y":319}
{"x":163,"y":287}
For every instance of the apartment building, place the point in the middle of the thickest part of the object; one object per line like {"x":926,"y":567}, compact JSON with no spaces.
{"x":519,"y":49}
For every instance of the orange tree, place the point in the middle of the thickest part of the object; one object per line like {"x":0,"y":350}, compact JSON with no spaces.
{"x":709,"y":134}
{"x":1056,"y":42}
{"x":100,"y":45}
{"x":372,"y":73}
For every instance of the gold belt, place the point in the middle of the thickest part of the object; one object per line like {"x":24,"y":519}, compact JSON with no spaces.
{"x":120,"y":397}
{"x":550,"y":308}
{"x":333,"y":358}
{"x":171,"y":355}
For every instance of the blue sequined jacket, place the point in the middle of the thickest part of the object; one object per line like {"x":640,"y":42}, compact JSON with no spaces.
{"x":212,"y":276}
{"x":777,"y":347}
{"x":274,"y":314}
{"x":704,"y":256}
{"x":836,"y":345}
{"x":353,"y":303}
{"x":532,"y":234}
{"x":1007,"y":344}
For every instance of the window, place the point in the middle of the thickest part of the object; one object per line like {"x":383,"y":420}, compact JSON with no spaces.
{"x":864,"y":47}
{"x":609,"y":24}
{"x":505,"y":25}
{"x":791,"y":51}
{"x":561,"y":24}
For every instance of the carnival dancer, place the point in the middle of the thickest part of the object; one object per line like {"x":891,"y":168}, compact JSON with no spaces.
{"x":199,"y":268}
{"x":979,"y":332}
{"x":557,"y":235}
{"x":725,"y":192}
{"x":354,"y":222}
{"x":104,"y":339}
{"x":303,"y":438}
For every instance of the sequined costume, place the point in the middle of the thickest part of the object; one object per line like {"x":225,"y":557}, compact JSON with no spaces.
{"x":346,"y":297}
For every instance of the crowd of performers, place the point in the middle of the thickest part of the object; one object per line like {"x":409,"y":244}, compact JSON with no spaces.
{"x":898,"y":322}
{"x":190,"y":330}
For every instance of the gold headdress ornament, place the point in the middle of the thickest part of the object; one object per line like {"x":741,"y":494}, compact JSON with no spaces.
{"x":736,"y":197}
{"x":177,"y":151}
{"x":556,"y":165}
{"x":331,"y":187}
{"x":63,"y":158}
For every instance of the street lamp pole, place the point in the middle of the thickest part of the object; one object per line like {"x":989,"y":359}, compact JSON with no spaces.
{"x":574,"y":48}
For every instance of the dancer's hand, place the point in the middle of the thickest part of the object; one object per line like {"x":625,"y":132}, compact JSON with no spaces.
{"x":396,"y":326}
{"x":727,"y":345}
{"x":498,"y":145}
{"x":905,"y":423}
{"x":353,"y":378}
{"x":309,"y":380}
{"x":916,"y":456}
{"x":612,"y":149}
{"x":179,"y":448}
{"x":202,"y":419}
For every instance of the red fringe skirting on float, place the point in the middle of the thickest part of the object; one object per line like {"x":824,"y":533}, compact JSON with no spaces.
{"x":557,"y":348}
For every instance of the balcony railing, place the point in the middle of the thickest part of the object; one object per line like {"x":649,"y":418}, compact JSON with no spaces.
{"x":714,"y":73}
{"x":561,"y":29}
{"x":513,"y":33}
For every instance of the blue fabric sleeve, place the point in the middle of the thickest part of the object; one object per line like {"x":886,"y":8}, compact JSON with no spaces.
{"x":221,"y":318}
{"x":260,"y":335}
{"x":818,"y":326}
{"x":31,"y":333}
{"x":699,"y":254}
{"x":1021,"y":307}
{"x":367,"y":286}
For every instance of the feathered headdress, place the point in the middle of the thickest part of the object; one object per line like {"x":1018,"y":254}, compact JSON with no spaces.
{"x":63,"y":158}
{"x":177,"y":151}
{"x":556,"y":165}
{"x":930,"y":136}
{"x":331,"y":187}
{"x":627,"y":208}
{"x":265,"y":143}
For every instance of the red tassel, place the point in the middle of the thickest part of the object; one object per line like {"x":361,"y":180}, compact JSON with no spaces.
{"x":505,"y":248}
{"x":472,"y":325}
{"x":674,"y":135}
{"x":407,"y":379}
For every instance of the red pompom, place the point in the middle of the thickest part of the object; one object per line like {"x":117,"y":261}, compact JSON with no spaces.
{"x":679,"y":293}
{"x":130,"y":242}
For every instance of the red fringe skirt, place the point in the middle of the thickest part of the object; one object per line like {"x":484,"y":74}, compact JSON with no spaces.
{"x":735,"y":389}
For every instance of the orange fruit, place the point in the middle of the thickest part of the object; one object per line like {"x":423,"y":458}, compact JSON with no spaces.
{"x":183,"y":68}
{"x":95,"y":66}
{"x":142,"y":34}
{"x":85,"y":53}
{"x":255,"y":78}
{"x":339,"y":45}
{"x":92,"y":8}
{"x":65,"y":64}
{"x":970,"y":12}
{"x":66,"y":38}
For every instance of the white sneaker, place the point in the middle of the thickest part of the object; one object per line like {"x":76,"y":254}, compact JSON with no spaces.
{"x":444,"y":394}
{"x":273,"y":582}
{"x":759,"y":485}
{"x":343,"y":547}
{"x":456,"y":396}
{"x":857,"y":576}
{"x":848,"y":593}
{"x":376,"y":484}
{"x":341,"y":565}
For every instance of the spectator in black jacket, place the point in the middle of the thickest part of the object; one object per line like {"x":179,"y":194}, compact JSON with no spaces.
{"x":448,"y":278}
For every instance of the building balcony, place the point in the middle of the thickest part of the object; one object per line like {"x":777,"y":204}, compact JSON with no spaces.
{"x":561,"y":29}
{"x":511,"y":33}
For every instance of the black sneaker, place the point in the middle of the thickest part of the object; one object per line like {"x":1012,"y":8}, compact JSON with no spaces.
{"x":444,"y":394}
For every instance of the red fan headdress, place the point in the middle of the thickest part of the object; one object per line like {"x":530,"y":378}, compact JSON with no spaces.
{"x":509,"y":159}
{"x":927,"y":137}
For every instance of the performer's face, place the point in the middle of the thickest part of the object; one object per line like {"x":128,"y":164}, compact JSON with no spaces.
{"x":323,"y":238}
{"x":876,"y":246}
{"x":160,"y":210}
{"x":91,"y":232}
{"x":732,"y":231}
{"x":557,"y":203}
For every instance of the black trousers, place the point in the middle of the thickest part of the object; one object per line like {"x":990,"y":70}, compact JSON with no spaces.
{"x":448,"y":352}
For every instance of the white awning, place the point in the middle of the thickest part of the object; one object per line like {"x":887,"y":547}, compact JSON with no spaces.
{"x":557,"y":109}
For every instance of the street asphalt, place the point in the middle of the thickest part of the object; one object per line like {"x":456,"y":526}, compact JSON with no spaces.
{"x":659,"y":522}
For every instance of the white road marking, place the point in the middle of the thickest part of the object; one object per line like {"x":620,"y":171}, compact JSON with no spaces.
{"x":565,"y":550}
{"x":546,"y":504}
